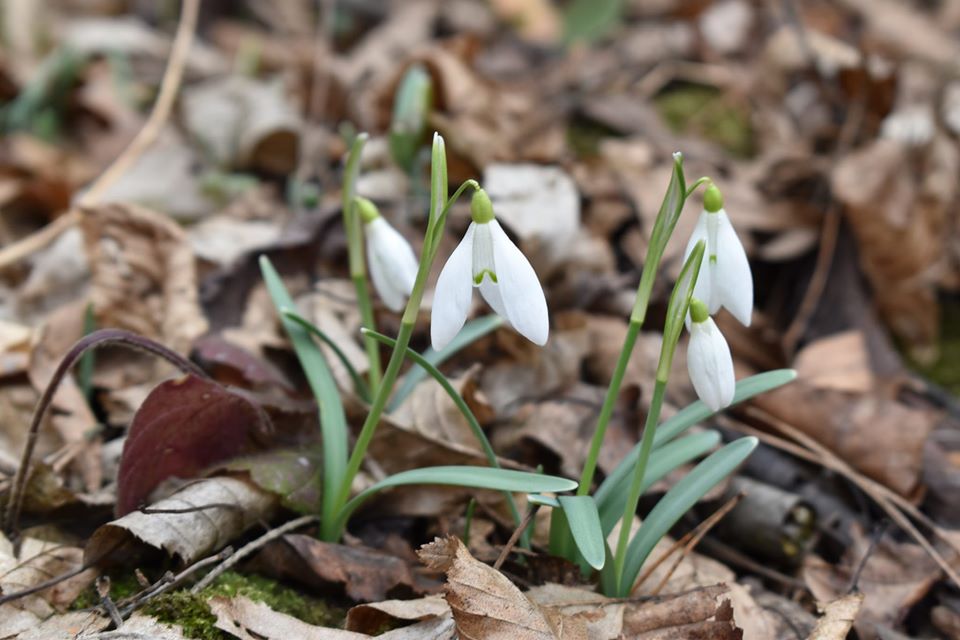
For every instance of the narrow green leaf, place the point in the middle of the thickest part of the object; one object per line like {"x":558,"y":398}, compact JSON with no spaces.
{"x":464,"y":476}
{"x":677,"y":309}
{"x":612,"y":494}
{"x":698,"y":412}
{"x":618,"y":480}
{"x":471,"y":332}
{"x":438,"y":177}
{"x":359,"y":386}
{"x":584,"y":524}
{"x":590,"y":20}
{"x":333,"y":421}
{"x":544,"y":501}
{"x":678,"y":501}
{"x":411,"y":108}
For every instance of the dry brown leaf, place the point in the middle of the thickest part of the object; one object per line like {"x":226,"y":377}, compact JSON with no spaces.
{"x":838,"y":617}
{"x":487,"y":605}
{"x":430,"y":411}
{"x":144,"y":278}
{"x":839,"y":362}
{"x":244,"y":122}
{"x":248,"y":620}
{"x":200,"y":518}
{"x":370,"y":618}
{"x":365,"y":574}
{"x":865,"y":430}
{"x":900,"y":225}
{"x":43,"y":553}
{"x":894,"y":578}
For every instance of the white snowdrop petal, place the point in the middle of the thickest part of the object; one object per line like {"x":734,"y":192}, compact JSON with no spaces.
{"x":491,"y":293}
{"x":392,"y":262}
{"x":403,"y":261}
{"x":451,"y":298}
{"x":710,"y":365}
{"x":524,"y":304}
{"x":733,"y":282}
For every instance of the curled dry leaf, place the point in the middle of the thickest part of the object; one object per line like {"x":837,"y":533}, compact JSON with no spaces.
{"x":184,"y":427}
{"x":487,"y":605}
{"x":370,"y":618}
{"x":243,"y":618}
{"x":899,"y":222}
{"x":197,"y":520}
{"x":838,"y":617}
{"x":895,"y":577}
{"x":364,"y":574}
{"x":144,"y":278}
{"x":867,"y":430}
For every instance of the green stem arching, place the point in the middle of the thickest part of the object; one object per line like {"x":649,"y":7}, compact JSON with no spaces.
{"x":633,"y":497}
{"x":355,"y":254}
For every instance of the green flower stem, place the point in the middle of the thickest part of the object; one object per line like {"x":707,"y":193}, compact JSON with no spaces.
{"x":633,"y":498}
{"x":606,"y":411}
{"x":358,"y":269}
{"x":399,"y":352}
{"x":464,"y":410}
{"x":696,"y":185}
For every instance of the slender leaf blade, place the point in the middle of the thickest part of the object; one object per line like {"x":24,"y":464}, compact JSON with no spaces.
{"x":584,"y":523}
{"x":679,"y":500}
{"x":471,"y":332}
{"x":465,"y":476}
{"x":333,"y":421}
{"x":612,"y":494}
{"x":359,"y":386}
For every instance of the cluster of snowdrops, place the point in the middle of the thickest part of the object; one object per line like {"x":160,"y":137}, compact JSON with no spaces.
{"x":715,"y":274}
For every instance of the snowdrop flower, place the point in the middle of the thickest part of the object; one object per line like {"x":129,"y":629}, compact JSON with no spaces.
{"x":724,"y":279}
{"x":488,"y":260}
{"x":393,"y":265}
{"x":708,"y":359}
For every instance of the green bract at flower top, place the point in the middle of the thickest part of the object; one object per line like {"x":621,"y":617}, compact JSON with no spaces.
{"x":393,"y":265}
{"x":486,"y":258}
{"x":725,"y":279}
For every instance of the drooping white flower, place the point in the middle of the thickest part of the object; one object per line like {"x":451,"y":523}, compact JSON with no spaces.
{"x":393,"y":265}
{"x":486,"y":258}
{"x":724,"y":279}
{"x":708,"y":359}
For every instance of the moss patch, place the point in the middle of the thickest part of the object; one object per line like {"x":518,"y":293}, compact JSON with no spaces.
{"x":278,"y":597}
{"x":193,"y":615}
{"x":187,"y":610}
{"x":946,"y":370}
{"x":701,"y":110}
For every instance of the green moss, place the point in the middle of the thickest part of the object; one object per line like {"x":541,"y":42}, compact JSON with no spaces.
{"x":278,"y":597}
{"x":193,"y":615}
{"x":190,"y":612}
{"x":696,"y":109}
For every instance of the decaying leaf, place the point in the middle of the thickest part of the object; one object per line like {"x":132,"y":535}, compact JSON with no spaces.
{"x":838,"y":617}
{"x":486,"y":604}
{"x":895,"y":576}
{"x":198,"y":519}
{"x":840,"y":362}
{"x":364,"y":574}
{"x":144,"y":278}
{"x":184,"y":427}
{"x":248,"y":620}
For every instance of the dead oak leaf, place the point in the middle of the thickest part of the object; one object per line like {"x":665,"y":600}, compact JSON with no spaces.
{"x":487,"y":605}
{"x":143,"y":274}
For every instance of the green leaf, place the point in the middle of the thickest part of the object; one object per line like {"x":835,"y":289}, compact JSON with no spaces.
{"x":359,"y":386}
{"x":618,"y":480}
{"x":584,"y":524}
{"x":590,"y":20}
{"x":463,"y":476}
{"x":411,"y":108}
{"x":611,"y":496}
{"x":678,"y":501}
{"x":438,"y":177}
{"x":333,"y":421}
{"x":471,"y":332}
{"x":698,"y":412}
{"x":677,"y":310}
{"x":293,"y":474}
